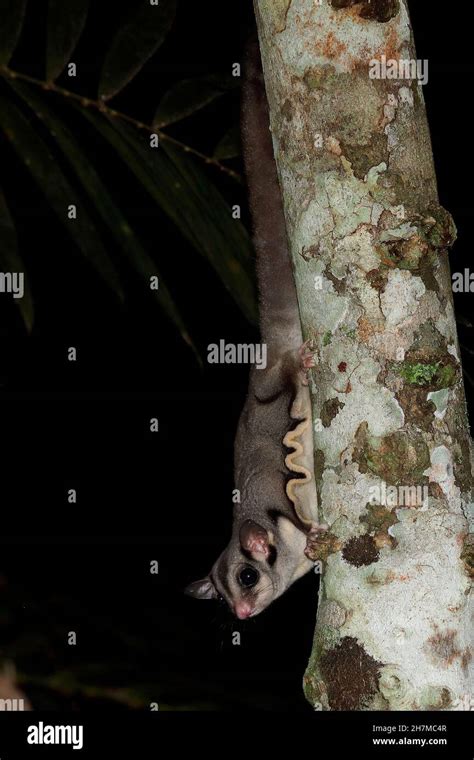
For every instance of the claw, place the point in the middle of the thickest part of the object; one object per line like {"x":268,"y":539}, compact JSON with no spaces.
{"x":317,"y":529}
{"x":307,"y":360}
{"x":320,"y":542}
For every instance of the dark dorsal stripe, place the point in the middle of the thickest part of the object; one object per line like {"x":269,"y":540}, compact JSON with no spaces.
{"x":223,"y":575}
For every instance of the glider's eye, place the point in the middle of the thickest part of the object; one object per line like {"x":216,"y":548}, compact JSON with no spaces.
{"x":248,"y":577}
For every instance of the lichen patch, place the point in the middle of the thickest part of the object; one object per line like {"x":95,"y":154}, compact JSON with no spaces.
{"x":445,"y":649}
{"x":330,"y":409}
{"x":360,"y":550}
{"x":399,"y":458}
{"x":399,"y":301}
{"x":372,"y":10}
{"x":350,"y":674}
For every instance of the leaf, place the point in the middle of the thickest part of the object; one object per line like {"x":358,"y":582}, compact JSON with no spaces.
{"x":224,"y":240}
{"x":135,"y":42}
{"x":229,"y":146}
{"x":192,"y":202}
{"x":105,"y":205}
{"x":66,"y":21}
{"x":189,"y":96}
{"x":10,"y":261}
{"x":12,"y":14}
{"x":44,"y":168}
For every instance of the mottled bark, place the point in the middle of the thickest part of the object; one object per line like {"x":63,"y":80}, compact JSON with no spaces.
{"x":369,"y":244}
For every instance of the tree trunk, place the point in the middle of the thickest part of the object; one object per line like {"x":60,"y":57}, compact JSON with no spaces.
{"x":369,"y":243}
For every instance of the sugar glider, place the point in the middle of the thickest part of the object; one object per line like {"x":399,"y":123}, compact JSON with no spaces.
{"x":273,"y":456}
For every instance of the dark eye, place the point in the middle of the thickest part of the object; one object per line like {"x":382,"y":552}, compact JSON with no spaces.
{"x":248,"y":577}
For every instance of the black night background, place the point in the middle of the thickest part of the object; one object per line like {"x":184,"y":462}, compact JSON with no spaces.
{"x":84,"y":425}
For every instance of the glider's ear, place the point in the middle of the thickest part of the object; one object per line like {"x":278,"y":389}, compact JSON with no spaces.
{"x":255,"y":539}
{"x":203,"y":589}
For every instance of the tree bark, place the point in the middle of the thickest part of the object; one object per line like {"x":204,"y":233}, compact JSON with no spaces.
{"x":393,"y":468}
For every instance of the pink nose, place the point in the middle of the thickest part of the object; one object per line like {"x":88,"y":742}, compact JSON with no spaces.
{"x":243,"y":610}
